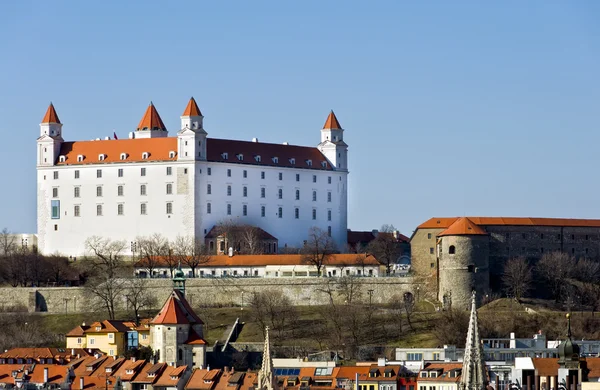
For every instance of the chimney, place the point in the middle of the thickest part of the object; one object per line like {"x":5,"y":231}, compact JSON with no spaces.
{"x":230,"y":251}
{"x":81,"y":383}
{"x":133,"y":358}
{"x":106,"y":138}
{"x":225,"y":370}
{"x":45,"y":374}
{"x":72,"y":351}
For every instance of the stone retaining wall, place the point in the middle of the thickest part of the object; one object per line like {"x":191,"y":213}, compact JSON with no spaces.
{"x":208,"y":292}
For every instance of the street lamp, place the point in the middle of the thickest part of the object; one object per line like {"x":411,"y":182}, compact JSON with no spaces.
{"x":242,"y":308}
{"x":370,"y":291}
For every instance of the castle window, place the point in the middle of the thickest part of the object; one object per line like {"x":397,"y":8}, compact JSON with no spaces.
{"x":240,"y":157}
{"x":228,"y":172}
{"x":314,"y":214}
{"x":314,"y":196}
{"x":328,"y":179}
{"x":77,"y":174}
{"x":587,"y":237}
{"x":257,"y":158}
{"x":171,"y":154}
{"x":228,"y":190}
{"x":431,"y":251}
{"x":120,"y":172}
{"x":98,"y":212}
{"x":208,"y":171}
{"x":208,"y":211}
{"x":280,"y":193}
{"x":573,"y":250}
{"x":314,"y":178}
{"x":262,"y":192}
{"x":471,"y":268}
{"x":143,"y":208}
{"x":169,"y":208}
{"x":245,"y":210}
{"x":145,"y":155}
{"x":80,"y":158}
{"x":245,"y":174}
{"x":143,"y":172}
{"x":208,"y":189}
{"x":542,"y":250}
{"x":119,"y":212}
{"x":143,"y":190}
{"x":324,"y":164}
{"x":297,"y":213}
{"x":228,"y":208}
{"x":452,"y":249}
{"x":292,"y":161}
{"x":245,"y":192}
{"x":169,"y":188}
{"x":262,"y":211}
{"x":280,"y":212}
{"x":275,"y":160}
{"x":329,"y":215}
{"x":224,"y":156}
{"x":309,"y":163}
{"x":169,"y":171}
{"x":76,"y":192}
{"x":61,"y":158}
{"x":99,"y":173}
{"x":119,"y":190}
{"x":297,"y":194}
{"x":280,"y":176}
{"x":297,"y":177}
{"x":180,"y":354}
{"x":429,"y":236}
{"x":123,"y":156}
{"x":262,"y":175}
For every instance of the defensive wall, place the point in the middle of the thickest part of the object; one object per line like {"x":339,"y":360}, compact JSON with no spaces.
{"x":212,"y":292}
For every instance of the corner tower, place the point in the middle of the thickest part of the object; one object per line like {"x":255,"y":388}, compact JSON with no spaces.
{"x":151,"y":125}
{"x":332,"y":143}
{"x":50,"y":138}
{"x":463,"y":256}
{"x":191,"y":144}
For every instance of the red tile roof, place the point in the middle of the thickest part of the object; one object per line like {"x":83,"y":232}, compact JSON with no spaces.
{"x":107,"y":326}
{"x":217,"y":149}
{"x":194,"y":338}
{"x":287,"y":259}
{"x":332,"y":122}
{"x":192,"y":109}
{"x":444,"y":223}
{"x":51,"y":116}
{"x":176,"y":310}
{"x":202,"y":379}
{"x":78,"y":331}
{"x":444,"y":376}
{"x":151,"y":120}
{"x":463,"y":227}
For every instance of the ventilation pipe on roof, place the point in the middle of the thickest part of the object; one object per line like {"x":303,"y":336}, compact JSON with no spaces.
{"x":131,"y":135}
{"x":230,"y":251}
{"x":97,"y":139}
{"x":72,"y":351}
{"x":81,"y":383}
{"x":45,"y":374}
{"x":106,"y":138}
{"x":255,"y":139}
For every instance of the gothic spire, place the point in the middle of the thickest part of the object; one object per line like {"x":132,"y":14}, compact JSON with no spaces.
{"x":472,"y":372}
{"x":266,"y":380}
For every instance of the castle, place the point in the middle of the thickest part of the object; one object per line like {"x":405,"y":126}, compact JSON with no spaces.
{"x":458,"y":255}
{"x":184,"y":185}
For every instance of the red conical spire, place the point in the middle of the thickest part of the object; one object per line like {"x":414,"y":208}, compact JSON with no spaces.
{"x":192,"y":109}
{"x":332,"y":122}
{"x":151,"y":120}
{"x":51,"y":116}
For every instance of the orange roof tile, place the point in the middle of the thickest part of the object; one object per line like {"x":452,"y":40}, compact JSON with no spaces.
{"x":202,"y":379}
{"x":93,"y":383}
{"x":463,"y":227}
{"x":51,"y":115}
{"x":191,"y":109}
{"x":78,"y":331}
{"x":151,"y":120}
{"x":444,"y":223}
{"x":337,"y":259}
{"x":332,"y":122}
{"x":546,"y":366}
{"x":593,"y":366}
{"x":107,"y":326}
{"x":443,"y":377}
{"x":171,"y":313}
{"x":157,"y":148}
{"x":194,"y":338}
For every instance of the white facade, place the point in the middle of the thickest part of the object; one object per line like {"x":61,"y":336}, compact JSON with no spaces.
{"x":117,"y":189}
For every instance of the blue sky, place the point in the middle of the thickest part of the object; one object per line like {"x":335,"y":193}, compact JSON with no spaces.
{"x":450,"y":108}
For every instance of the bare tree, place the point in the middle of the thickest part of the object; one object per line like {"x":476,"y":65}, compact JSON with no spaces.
{"x":106,"y":292}
{"x":409,"y":307}
{"x":232,"y":233}
{"x":517,"y":277}
{"x":385,"y":247}
{"x":452,"y":328}
{"x":106,"y":254}
{"x":252,"y":243}
{"x":8,"y":242}
{"x":58,"y":269}
{"x":553,"y":268}
{"x":318,"y":249}
{"x":349,"y":289}
{"x":273,"y":308}
{"x":190,"y":252}
{"x":138,"y":297}
{"x":152,"y":249}
{"x":396,"y":306}
{"x":170,"y":258}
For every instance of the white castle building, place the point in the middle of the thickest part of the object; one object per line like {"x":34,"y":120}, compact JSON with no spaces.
{"x":184,"y":185}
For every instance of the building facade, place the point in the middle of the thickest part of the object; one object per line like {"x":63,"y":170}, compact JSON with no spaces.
{"x":184,"y":185}
{"x":456,"y":255}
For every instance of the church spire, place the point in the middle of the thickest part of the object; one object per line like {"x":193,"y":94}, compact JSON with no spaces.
{"x":266,"y":380}
{"x":332,"y":122}
{"x":472,"y":372}
{"x":51,"y":115}
{"x":179,"y":280}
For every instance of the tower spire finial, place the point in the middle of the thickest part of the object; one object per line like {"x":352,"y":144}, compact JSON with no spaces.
{"x":472,"y":373}
{"x":266,"y":379}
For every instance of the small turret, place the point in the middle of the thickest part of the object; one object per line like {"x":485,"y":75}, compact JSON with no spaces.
{"x":568,"y":350}
{"x":50,"y":139}
{"x":179,"y":280}
{"x":332,"y":143}
{"x":151,"y":125}
{"x":191,"y":144}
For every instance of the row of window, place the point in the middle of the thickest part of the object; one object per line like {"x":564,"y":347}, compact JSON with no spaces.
{"x":526,"y":236}
{"x":120,"y":173}
{"x":263,"y":211}
{"x":263,"y":192}
{"x":452,"y":250}
{"x":120,"y":209}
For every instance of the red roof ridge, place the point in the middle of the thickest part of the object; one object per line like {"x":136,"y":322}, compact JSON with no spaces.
{"x":51,"y":115}
{"x":171,"y":313}
{"x":332,"y":122}
{"x":151,"y":120}
{"x":192,"y":108}
{"x":463,"y":227}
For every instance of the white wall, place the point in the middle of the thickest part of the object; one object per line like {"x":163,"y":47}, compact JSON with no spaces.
{"x":72,"y":231}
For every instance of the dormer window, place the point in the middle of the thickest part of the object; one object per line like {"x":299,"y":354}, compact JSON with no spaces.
{"x":240,"y":157}
{"x":101,"y":157}
{"x":123,"y":156}
{"x":98,"y":329}
{"x":433,"y":374}
{"x":293,"y":161}
{"x":108,"y":369}
{"x":145,"y":155}
{"x":324,"y":164}
{"x":225,"y":155}
{"x":129,"y":372}
{"x":309,"y":163}
{"x":80,"y":158}
{"x":257,"y":158}
{"x":171,"y":154}
{"x":275,"y":160}
{"x":62,"y":158}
